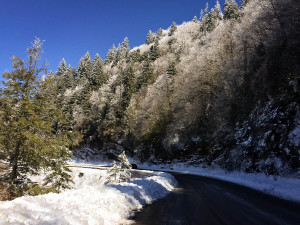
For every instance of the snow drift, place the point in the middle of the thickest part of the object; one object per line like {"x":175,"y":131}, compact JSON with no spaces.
{"x":90,"y":202}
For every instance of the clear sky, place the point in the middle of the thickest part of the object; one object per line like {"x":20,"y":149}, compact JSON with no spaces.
{"x":70,"y":28}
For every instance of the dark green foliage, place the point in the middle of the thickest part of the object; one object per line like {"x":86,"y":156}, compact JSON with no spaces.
{"x":27,"y":140}
{"x":98,"y":77}
{"x":154,"y":51}
{"x":84,"y":70}
{"x":146,"y":76}
{"x":135,"y":56}
{"x":171,"y":71}
{"x":128,"y":85}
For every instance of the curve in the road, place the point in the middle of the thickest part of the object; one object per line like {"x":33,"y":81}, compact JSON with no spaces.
{"x":202,"y":200}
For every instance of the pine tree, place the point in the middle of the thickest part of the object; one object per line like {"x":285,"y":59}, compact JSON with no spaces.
{"x":62,"y":68}
{"x":201,"y":15}
{"x":111,"y":55}
{"x":114,"y":173}
{"x":218,"y":11}
{"x":128,"y":85}
{"x":231,"y":10}
{"x":124,"y":162}
{"x":159,"y":33}
{"x":28,"y":142}
{"x":171,"y":71}
{"x":172,"y":29}
{"x":98,"y":77}
{"x":211,"y":20}
{"x":146,"y":76}
{"x":154,"y":51}
{"x":84,"y":69}
{"x":135,"y":56}
{"x":150,"y":37}
{"x":123,"y":50}
{"x":195,"y":20}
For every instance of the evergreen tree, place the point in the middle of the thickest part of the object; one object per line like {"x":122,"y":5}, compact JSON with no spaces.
{"x":154,"y":51}
{"x":159,"y":33}
{"x":171,"y":71}
{"x":124,"y":162}
{"x":231,"y":10}
{"x":62,"y":68}
{"x":128,"y":85}
{"x":84,"y":69}
{"x":111,"y":55}
{"x":135,"y":56}
{"x":28,"y":142}
{"x":123,"y":50}
{"x":211,"y":20}
{"x":172,"y":29}
{"x":150,"y":37}
{"x":195,"y":20}
{"x":69,"y":77}
{"x":201,"y":15}
{"x":218,"y":11}
{"x":98,"y":77}
{"x":146,"y":76}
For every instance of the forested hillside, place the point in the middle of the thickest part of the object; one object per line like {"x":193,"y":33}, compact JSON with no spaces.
{"x":223,"y":87}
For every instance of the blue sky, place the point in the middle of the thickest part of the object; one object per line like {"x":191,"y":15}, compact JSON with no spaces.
{"x":70,"y":28}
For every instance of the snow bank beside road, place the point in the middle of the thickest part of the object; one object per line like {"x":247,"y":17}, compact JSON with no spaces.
{"x":90,"y":202}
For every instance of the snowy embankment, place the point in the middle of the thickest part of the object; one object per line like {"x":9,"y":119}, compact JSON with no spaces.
{"x":283,"y":187}
{"x":90,"y":202}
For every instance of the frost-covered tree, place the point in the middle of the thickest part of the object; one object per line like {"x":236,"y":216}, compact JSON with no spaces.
{"x":231,"y":10}
{"x":84,"y":69}
{"x":123,"y":50}
{"x":218,"y":11}
{"x":62,"y":67}
{"x":150,"y":37}
{"x":119,"y":173}
{"x":195,"y":19}
{"x":201,"y":15}
{"x":124,"y":162}
{"x":27,"y":139}
{"x":211,"y":20}
{"x":114,"y":173}
{"x":98,"y":77}
{"x":172,"y":29}
{"x":146,"y":76}
{"x":159,"y":33}
{"x":154,"y":51}
{"x":111,"y":55}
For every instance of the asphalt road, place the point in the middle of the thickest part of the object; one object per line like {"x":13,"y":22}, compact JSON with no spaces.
{"x":202,"y":200}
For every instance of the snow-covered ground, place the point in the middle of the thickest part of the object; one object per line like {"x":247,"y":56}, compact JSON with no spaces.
{"x":90,"y":202}
{"x":283,"y":187}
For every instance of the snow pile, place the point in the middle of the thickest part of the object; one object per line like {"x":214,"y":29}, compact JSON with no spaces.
{"x":90,"y":202}
{"x":283,"y":187}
